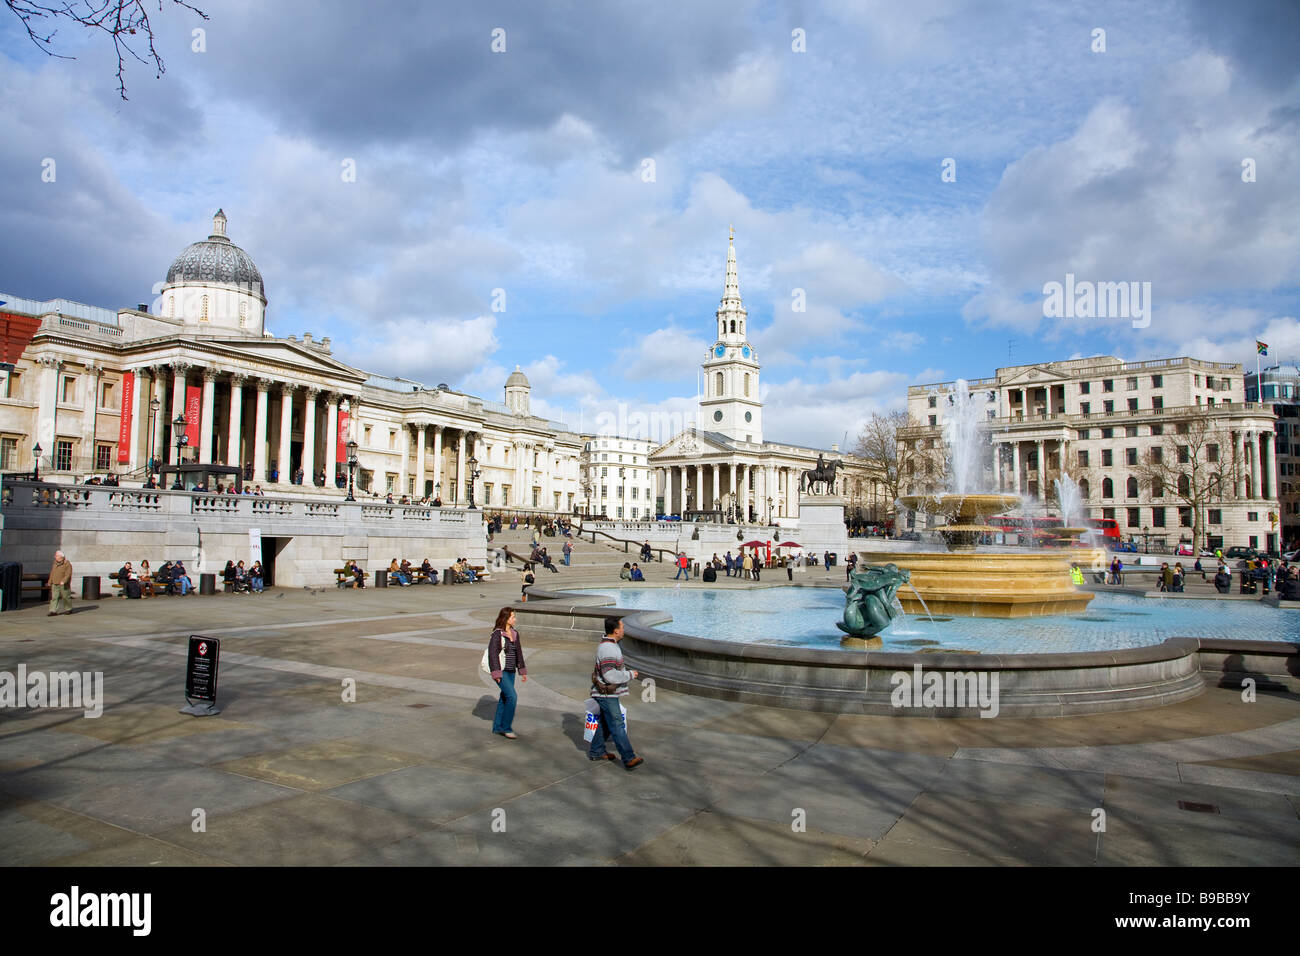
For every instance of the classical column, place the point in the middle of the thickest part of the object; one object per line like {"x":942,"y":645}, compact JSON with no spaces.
{"x":89,"y":416}
{"x":260,"y":436}
{"x":999,"y":479}
{"x":699,"y":487}
{"x":285,"y":462}
{"x":1042,"y":471}
{"x":1253,"y":438}
{"x":1266,"y":482}
{"x":437,"y":457}
{"x":331,"y":437}
{"x":717,"y":484}
{"x":179,"y":369}
{"x":460,"y":465}
{"x":234,"y":451}
{"x":137,"y":390}
{"x":404,"y":453}
{"x":1015,"y":467}
{"x":419,"y":458}
{"x":207,"y":426}
{"x":1239,"y":457}
{"x":682,"y":489}
{"x":309,"y":437}
{"x":158,"y":390}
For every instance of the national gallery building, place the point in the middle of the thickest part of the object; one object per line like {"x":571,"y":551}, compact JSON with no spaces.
{"x":199,"y":379}
{"x":101,"y":392}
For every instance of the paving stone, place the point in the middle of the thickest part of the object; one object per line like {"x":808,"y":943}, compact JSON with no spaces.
{"x":432,"y":793}
{"x":719,"y":839}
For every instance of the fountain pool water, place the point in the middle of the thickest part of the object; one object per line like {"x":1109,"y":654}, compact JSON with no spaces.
{"x":805,"y":617}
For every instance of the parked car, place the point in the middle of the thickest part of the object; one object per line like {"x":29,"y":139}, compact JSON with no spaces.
{"x":1242,"y":553}
{"x":1129,"y":546}
{"x":1184,"y":550}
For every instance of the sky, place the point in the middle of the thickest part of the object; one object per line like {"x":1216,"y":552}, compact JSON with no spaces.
{"x":450,"y":190}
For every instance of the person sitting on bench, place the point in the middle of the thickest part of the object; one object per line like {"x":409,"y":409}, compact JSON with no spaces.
{"x":358,"y":576}
{"x":430,"y":572}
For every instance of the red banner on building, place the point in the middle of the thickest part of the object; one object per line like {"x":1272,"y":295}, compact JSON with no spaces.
{"x":341,"y":452}
{"x":128,"y":410}
{"x":193,"y":407}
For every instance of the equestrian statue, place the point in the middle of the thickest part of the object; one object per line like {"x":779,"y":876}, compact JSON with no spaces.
{"x":823,"y":474}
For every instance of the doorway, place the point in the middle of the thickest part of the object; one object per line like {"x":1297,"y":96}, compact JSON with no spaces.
{"x":271,"y":548}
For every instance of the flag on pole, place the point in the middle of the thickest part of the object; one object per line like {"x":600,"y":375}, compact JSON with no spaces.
{"x":1261,"y":347}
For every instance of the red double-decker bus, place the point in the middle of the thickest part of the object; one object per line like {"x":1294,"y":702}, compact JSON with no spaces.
{"x":1107,"y":527}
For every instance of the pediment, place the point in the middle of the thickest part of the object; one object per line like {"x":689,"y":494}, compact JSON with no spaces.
{"x":291,"y":354}
{"x":1036,"y":375}
{"x":689,"y":444}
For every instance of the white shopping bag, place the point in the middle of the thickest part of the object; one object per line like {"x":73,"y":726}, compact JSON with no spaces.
{"x":592,"y":720}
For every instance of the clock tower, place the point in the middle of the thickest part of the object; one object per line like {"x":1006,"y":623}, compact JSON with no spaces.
{"x":730,"y":404}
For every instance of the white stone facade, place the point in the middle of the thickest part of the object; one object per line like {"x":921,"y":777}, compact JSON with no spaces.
{"x":1097,"y":419}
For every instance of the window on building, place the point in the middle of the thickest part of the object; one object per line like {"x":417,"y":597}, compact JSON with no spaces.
{"x":1157,"y":488}
{"x":1132,"y":384}
{"x":1157,"y":381}
{"x":13,"y":385}
{"x":487,"y":493}
{"x":69,"y":389}
{"x":933,"y":421}
{"x":1157,"y":517}
{"x":1134,"y":516}
{"x":1185,"y":517}
{"x":392,"y":440}
{"x":1108,"y":433}
{"x":106,"y":395}
{"x":1212,"y":453}
{"x":1108,"y":385}
{"x":1184,"y":486}
{"x":634,"y":491}
{"x":390,"y":482}
{"x":1214,"y":516}
{"x":1085,"y":489}
{"x":1157,"y":402}
{"x":1083,"y":458}
{"x":1107,"y":457}
{"x":1252,"y":515}
{"x":1085,"y":408}
{"x":1132,"y":404}
{"x":8,"y":454}
{"x":1198,"y":399}
{"x":1130,"y":431}
{"x":1157,"y":429}
{"x":63,"y":456}
{"x":537,"y":499}
{"x":103,"y":456}
{"x":1196,"y":380}
{"x":1108,"y":514}
{"x":1184,"y":454}
{"x":1107,"y":488}
{"x":1108,"y":407}
{"x":1083,"y":434}
{"x":604,"y":491}
{"x":933,"y":401}
{"x":1131,"y":487}
{"x":1085,"y":388}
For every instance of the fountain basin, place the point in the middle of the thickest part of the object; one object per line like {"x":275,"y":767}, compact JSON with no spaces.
{"x":978,"y":584}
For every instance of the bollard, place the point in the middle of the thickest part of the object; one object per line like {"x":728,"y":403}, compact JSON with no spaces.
{"x":449,"y":576}
{"x":381,"y":578}
{"x":207,"y":584}
{"x":697,"y":569}
{"x":90,"y":588}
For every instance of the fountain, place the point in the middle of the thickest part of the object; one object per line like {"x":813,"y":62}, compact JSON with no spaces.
{"x":964,"y":581}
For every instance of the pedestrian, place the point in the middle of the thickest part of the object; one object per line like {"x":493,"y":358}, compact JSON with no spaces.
{"x":60,"y":585}
{"x":850,"y":564}
{"x":758,"y":565}
{"x":526,"y":580}
{"x":568,"y":551}
{"x":729,"y":562}
{"x":747,"y":565}
{"x":682,"y":565}
{"x":609,"y":682}
{"x":506,"y":658}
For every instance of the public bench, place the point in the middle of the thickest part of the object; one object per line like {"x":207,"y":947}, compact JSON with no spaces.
{"x":343,"y":578}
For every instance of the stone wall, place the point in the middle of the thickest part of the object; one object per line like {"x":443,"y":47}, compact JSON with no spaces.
{"x":100,"y":527}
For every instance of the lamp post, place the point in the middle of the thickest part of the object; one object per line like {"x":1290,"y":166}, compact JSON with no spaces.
{"x":473,"y":476}
{"x":154,"y":405}
{"x":36,"y":462}
{"x":769,"y":510}
{"x":178,"y":429}
{"x":352,"y":467}
{"x":1146,"y":539}
{"x":437,"y":493}
{"x":622,"y":493}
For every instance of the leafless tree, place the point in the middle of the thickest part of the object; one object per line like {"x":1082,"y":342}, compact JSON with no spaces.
{"x":1196,"y":464}
{"x":902,"y":453}
{"x":125,"y":21}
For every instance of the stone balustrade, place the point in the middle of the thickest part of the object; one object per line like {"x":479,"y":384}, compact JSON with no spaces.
{"x":100,"y":526}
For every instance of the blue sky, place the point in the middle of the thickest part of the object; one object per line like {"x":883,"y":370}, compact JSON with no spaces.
{"x":524,"y":171}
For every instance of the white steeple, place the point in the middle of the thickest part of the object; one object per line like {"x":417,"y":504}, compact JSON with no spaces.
{"x":730,"y":403}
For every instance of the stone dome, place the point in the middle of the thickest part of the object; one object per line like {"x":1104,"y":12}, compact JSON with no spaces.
{"x":517,"y":378}
{"x":216,"y":260}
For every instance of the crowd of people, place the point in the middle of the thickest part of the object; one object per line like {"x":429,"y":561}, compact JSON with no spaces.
{"x":170,"y":578}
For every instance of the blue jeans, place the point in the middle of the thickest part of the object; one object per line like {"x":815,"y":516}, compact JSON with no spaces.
{"x":183,"y":585}
{"x":257,"y":584}
{"x":566,"y":559}
{"x":611,"y":719}
{"x":680,"y":572}
{"x":503,"y":722}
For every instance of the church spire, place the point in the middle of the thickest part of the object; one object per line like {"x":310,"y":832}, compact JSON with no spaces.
{"x":731,"y":313}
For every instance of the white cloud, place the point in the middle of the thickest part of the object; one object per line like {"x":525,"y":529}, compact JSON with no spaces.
{"x":426,"y":350}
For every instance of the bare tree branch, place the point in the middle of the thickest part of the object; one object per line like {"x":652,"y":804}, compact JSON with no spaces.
{"x":120,"y":19}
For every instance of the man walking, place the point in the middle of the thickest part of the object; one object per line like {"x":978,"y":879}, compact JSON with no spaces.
{"x":568,"y":551}
{"x":682,"y":565}
{"x":608,"y":684}
{"x":60,"y":585}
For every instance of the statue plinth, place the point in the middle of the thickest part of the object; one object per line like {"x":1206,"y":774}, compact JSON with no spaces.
{"x":821,"y":525}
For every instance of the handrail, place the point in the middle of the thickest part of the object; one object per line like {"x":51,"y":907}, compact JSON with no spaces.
{"x":639,"y":544}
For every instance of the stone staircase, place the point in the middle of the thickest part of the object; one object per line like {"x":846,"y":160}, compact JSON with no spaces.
{"x":598,"y":563}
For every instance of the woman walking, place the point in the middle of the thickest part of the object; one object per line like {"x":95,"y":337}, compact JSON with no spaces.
{"x":506,"y":657}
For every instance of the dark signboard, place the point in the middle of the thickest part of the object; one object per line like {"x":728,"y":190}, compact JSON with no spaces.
{"x":201,"y":668}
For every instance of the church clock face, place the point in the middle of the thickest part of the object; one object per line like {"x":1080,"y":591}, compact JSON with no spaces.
{"x":745,"y":351}
{"x":749,"y":416}
{"x":719,"y":351}
{"x":717,"y":416}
